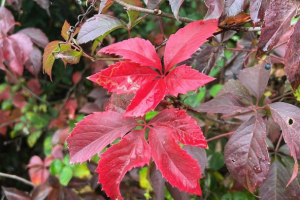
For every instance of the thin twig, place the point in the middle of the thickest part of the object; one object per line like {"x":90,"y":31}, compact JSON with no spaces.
{"x":17,"y":178}
{"x":219,"y":136}
{"x":152,"y":12}
{"x":26,"y":88}
{"x":220,"y":121}
{"x":281,"y":96}
{"x":9,"y":122}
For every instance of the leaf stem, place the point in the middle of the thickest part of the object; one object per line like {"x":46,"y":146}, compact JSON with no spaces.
{"x":281,"y":96}
{"x":278,"y":143}
{"x":129,"y":7}
{"x":219,"y":136}
{"x":17,"y":178}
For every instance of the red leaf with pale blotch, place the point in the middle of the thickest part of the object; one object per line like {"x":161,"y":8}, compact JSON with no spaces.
{"x":136,"y":50}
{"x":246,"y":153}
{"x":175,"y":164}
{"x":277,"y":21}
{"x":124,"y":77}
{"x":274,"y":185}
{"x":138,"y":74}
{"x":292,"y":59}
{"x":95,"y":132}
{"x":287,"y":116}
{"x":187,"y":40}
{"x":132,"y":151}
{"x":119,"y":102}
{"x":185,"y":128}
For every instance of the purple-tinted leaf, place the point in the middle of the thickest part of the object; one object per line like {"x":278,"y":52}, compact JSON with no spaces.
{"x":205,"y":58}
{"x":44,"y":4}
{"x":292,"y":58}
{"x":34,"y":63}
{"x":287,"y":116}
{"x":237,"y":89}
{"x":274,"y":185}
{"x":258,"y":9}
{"x":95,"y":132}
{"x":226,"y":103}
{"x":157,"y":182}
{"x":175,"y":6}
{"x":215,"y":8}
{"x":277,"y":21}
{"x":7,"y":20}
{"x":16,"y":4}
{"x":41,"y":192}
{"x":119,"y":102}
{"x":246,"y":153}
{"x":177,"y":194}
{"x":293,"y":189}
{"x":273,"y":130}
{"x":37,"y":36}
{"x":104,"y":5}
{"x":234,"y":7}
{"x":14,"y":194}
{"x":198,"y":154}
{"x":99,"y":25}
{"x":151,"y":4}
{"x":255,"y":79}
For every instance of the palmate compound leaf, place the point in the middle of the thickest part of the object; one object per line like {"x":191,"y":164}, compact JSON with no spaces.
{"x":274,"y":185}
{"x":185,"y":128}
{"x":132,"y":151}
{"x":287,"y":116}
{"x":246,"y":153}
{"x":95,"y":132}
{"x":98,"y":26}
{"x":175,"y":164}
{"x":187,"y":40}
{"x":277,"y":21}
{"x":292,"y":58}
{"x":255,"y":79}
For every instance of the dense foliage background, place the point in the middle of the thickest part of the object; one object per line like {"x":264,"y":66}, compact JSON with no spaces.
{"x":37,"y":113}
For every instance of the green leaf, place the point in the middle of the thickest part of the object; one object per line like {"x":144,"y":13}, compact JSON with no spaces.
{"x":48,"y":57}
{"x":215,"y":89}
{"x":227,"y":196}
{"x":33,"y":137}
{"x":37,"y":120}
{"x":81,"y":170}
{"x":56,"y":166}
{"x":67,"y":160}
{"x":98,"y":27}
{"x":150,"y":115}
{"x":48,"y":146}
{"x":195,"y":99}
{"x":216,"y":161}
{"x":133,"y":15}
{"x":65,"y":176}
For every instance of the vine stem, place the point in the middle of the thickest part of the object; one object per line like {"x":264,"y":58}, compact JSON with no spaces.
{"x":219,"y":136}
{"x":152,"y":12}
{"x":278,"y":143}
{"x":17,"y":178}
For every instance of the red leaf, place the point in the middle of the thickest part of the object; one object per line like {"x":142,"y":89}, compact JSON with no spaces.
{"x":258,"y":9}
{"x":175,"y":164}
{"x":95,"y":132}
{"x":36,"y":35}
{"x":76,"y":77}
{"x":7,"y":20}
{"x":98,"y":26}
{"x":38,"y":172}
{"x":3,"y":118}
{"x":136,"y":50}
{"x":246,"y":153}
{"x":124,"y":77}
{"x":60,"y":135}
{"x":185,"y":128}
{"x":175,"y":6}
{"x":274,"y":185}
{"x":215,"y":8}
{"x":147,"y":98}
{"x":198,"y":154}
{"x":132,"y":151}
{"x":19,"y":100}
{"x":119,"y":102}
{"x":277,"y":21}
{"x":291,"y":58}
{"x":287,"y":116}
{"x":187,"y":40}
{"x":34,"y":86}
{"x":255,"y":79}
{"x":183,"y":79}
